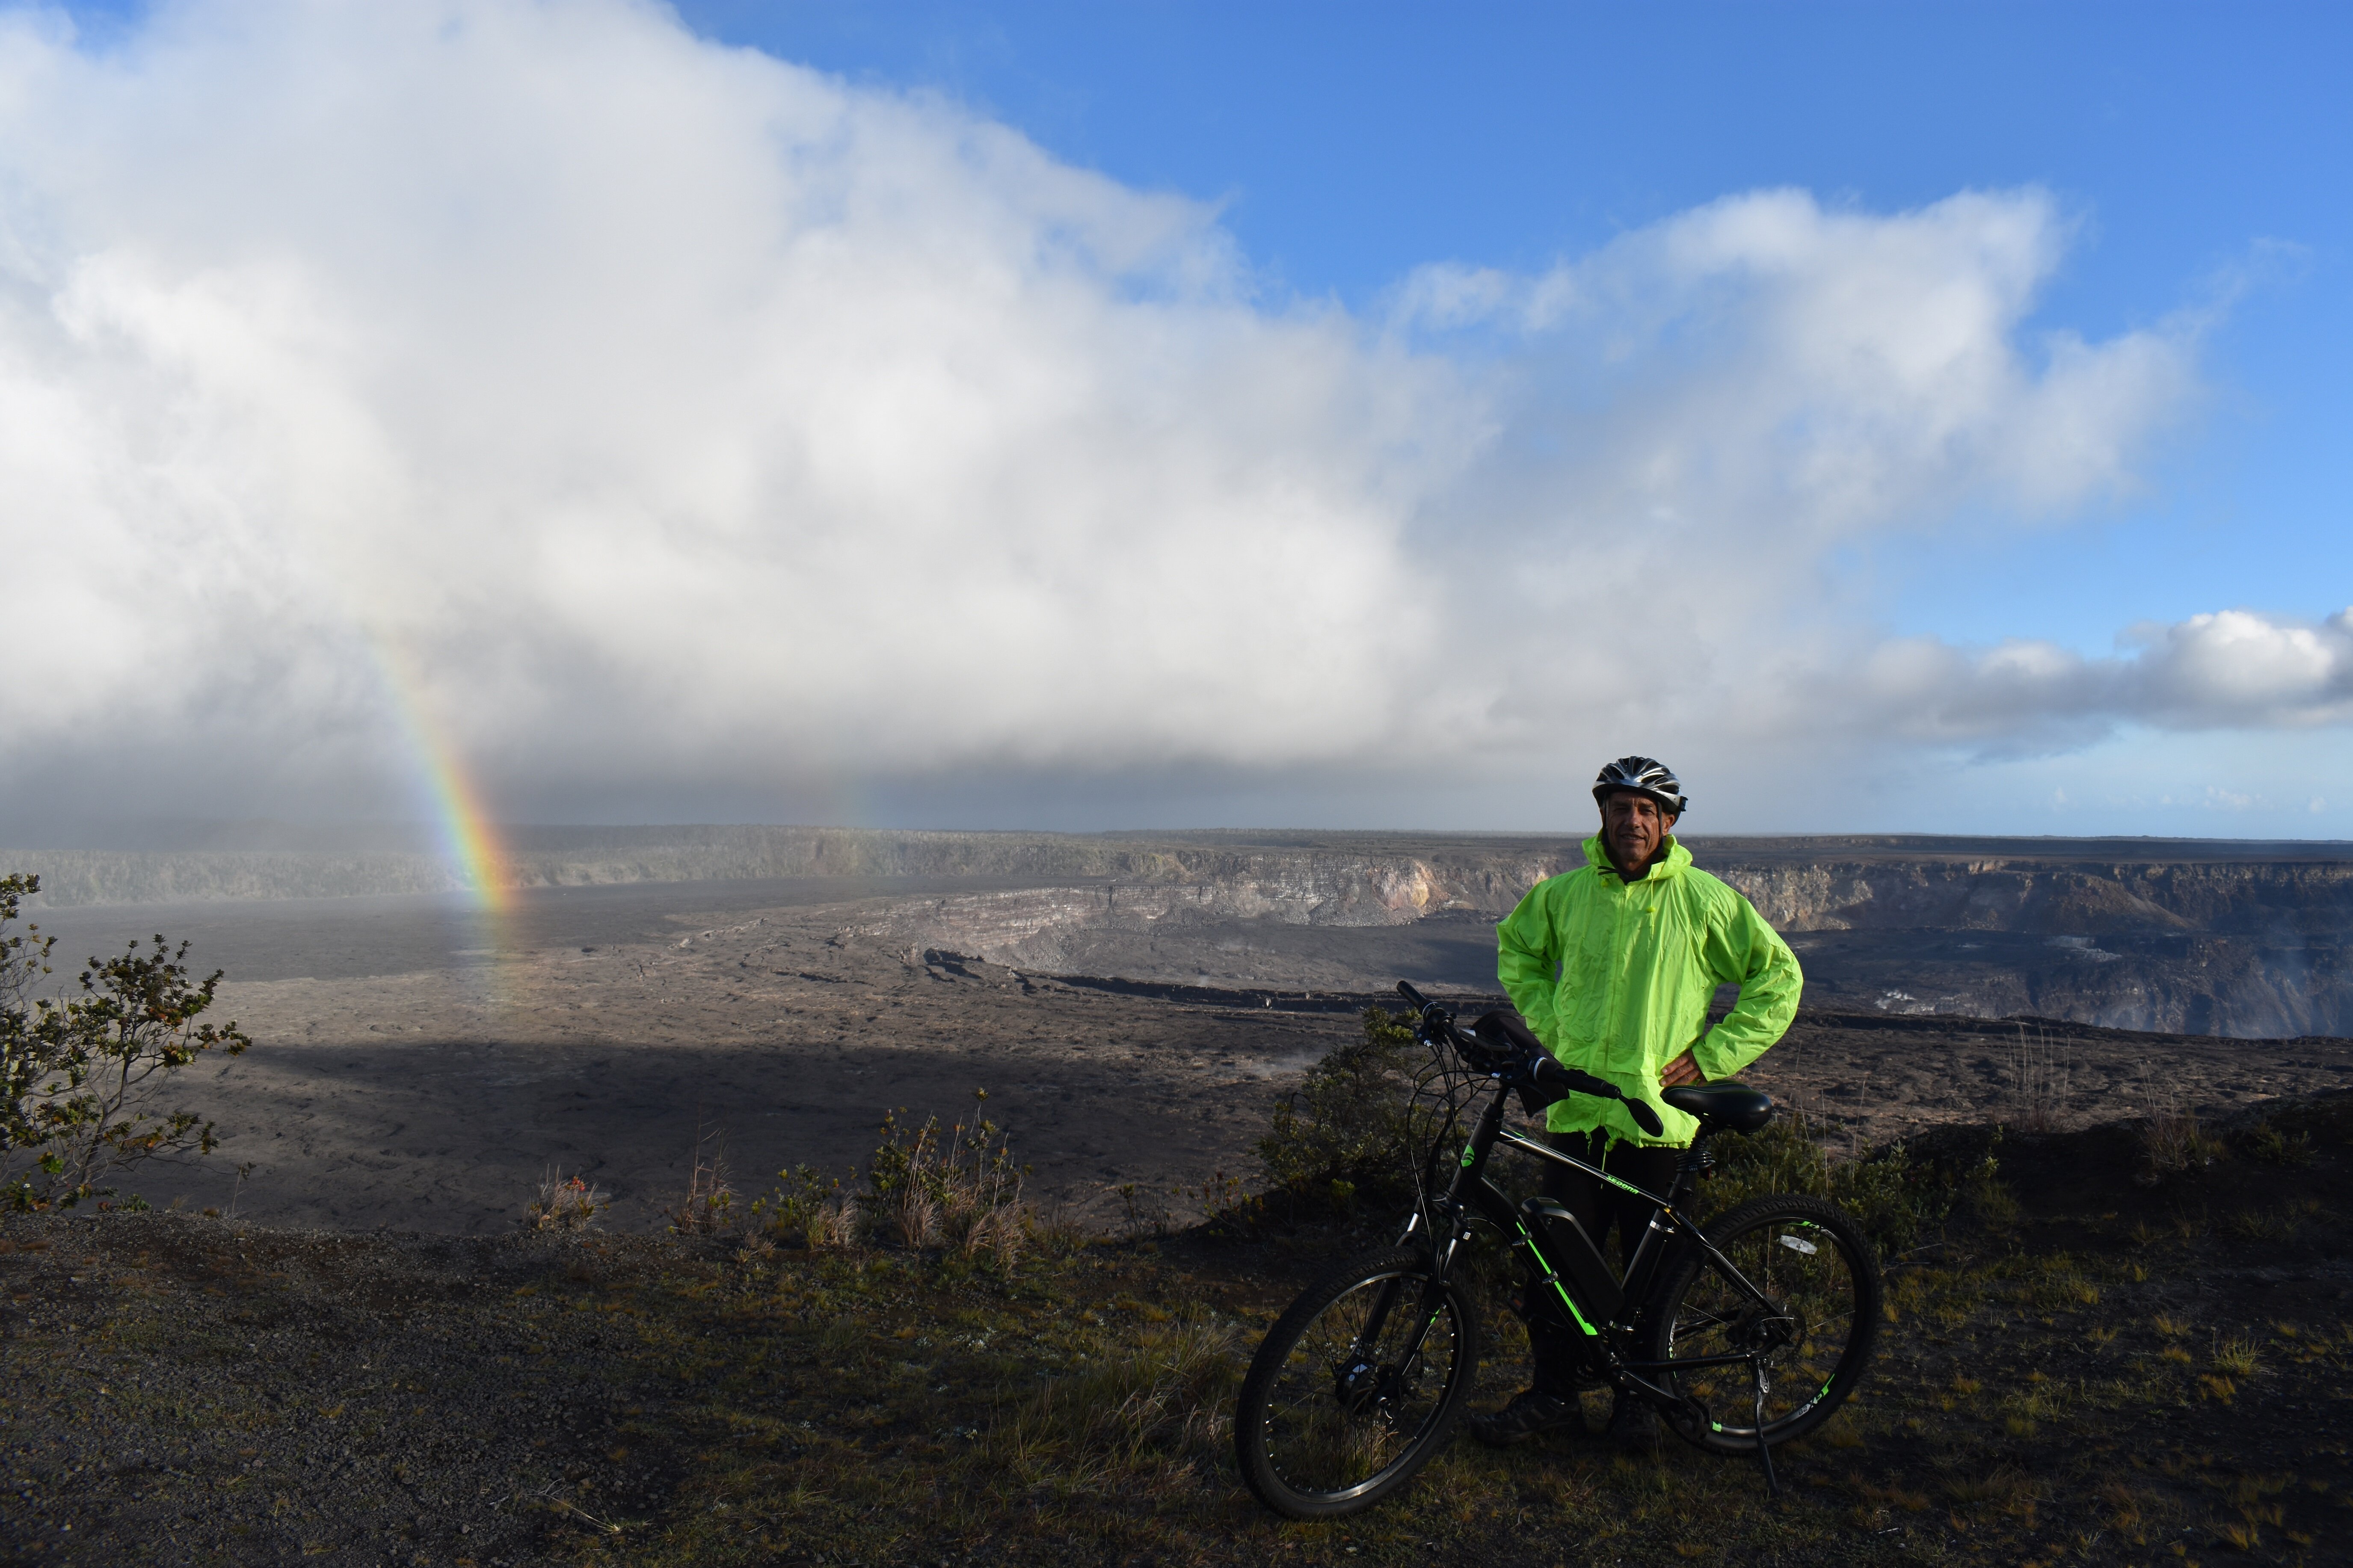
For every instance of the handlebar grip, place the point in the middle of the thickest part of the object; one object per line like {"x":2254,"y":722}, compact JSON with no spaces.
{"x":1411,"y":995}
{"x":1549,"y":1070}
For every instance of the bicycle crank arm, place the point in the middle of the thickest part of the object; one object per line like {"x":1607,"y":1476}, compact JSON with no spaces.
{"x":1626,"y":1373}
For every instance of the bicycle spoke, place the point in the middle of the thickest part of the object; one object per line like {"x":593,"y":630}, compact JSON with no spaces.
{"x":1342,"y":1409}
{"x":1799,"y":1332}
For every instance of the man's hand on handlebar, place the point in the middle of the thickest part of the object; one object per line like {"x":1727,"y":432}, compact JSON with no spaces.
{"x":1683,"y":1069}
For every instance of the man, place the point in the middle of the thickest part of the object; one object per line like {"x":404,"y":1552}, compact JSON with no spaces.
{"x":1613,"y":965}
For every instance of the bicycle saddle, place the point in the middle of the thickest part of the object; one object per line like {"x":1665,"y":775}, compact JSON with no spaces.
{"x":1724,"y":1106}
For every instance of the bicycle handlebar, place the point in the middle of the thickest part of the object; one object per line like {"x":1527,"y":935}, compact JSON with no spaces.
{"x":1546,"y":1070}
{"x":1540,"y":1067}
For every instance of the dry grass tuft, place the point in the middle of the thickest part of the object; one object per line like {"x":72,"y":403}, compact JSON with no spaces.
{"x":565,"y":1203}
{"x":2239,"y":1356}
{"x":2124,"y":1505}
{"x":2008,"y":1488}
{"x":962,"y":1188}
{"x":2171,"y":1137}
{"x":708,"y":1209}
{"x":2038,"y":1088}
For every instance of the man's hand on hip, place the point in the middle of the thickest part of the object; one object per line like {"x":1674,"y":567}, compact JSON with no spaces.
{"x":1683,"y":1069}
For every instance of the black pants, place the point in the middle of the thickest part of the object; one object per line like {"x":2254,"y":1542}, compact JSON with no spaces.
{"x":1555,"y":1344}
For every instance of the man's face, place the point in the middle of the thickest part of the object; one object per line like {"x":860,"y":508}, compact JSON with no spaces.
{"x":1633,"y":828}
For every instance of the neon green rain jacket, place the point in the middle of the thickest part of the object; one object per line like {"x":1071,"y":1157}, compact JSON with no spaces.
{"x":1637,"y":964}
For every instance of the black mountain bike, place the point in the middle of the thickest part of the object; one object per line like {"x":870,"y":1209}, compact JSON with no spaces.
{"x":1744,"y":1334}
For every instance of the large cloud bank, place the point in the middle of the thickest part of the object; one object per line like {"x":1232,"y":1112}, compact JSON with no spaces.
{"x":616,"y":407}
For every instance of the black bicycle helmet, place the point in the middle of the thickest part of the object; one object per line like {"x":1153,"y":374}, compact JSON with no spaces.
{"x":1643,"y":776}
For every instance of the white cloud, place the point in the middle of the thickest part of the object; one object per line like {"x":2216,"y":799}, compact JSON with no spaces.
{"x":2234,"y":669}
{"x":2230,"y":669}
{"x":663,"y":413}
{"x":1867,"y":366}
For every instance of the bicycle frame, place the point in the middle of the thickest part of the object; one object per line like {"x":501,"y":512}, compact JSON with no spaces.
{"x":1581,"y":1287}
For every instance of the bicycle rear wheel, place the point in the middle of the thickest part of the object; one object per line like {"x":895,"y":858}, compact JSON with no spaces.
{"x":1356,"y":1386}
{"x":1814,"y":1330}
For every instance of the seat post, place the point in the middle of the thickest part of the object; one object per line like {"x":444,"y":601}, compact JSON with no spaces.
{"x":1691,"y":1165}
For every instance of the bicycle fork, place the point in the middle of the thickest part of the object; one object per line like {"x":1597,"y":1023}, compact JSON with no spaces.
{"x":1360,"y":1378}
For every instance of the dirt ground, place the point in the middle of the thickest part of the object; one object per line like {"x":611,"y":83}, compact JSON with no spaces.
{"x":427,"y":1085}
{"x":2099,"y":1370}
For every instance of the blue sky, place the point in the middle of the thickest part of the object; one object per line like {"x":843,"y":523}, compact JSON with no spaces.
{"x":1907,"y":416}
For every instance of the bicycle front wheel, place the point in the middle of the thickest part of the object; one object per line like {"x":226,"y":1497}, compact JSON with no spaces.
{"x":1356,"y":1386}
{"x":1802,"y":1299}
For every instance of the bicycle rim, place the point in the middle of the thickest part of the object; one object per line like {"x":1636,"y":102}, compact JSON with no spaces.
{"x":1814,"y":1330}
{"x":1333,"y":1420}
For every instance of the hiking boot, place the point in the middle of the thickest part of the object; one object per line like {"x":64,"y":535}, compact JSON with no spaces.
{"x":1633,"y":1423}
{"x":1529,"y":1415}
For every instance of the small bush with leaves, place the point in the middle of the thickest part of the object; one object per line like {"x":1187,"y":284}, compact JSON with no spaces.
{"x":79,"y":1074}
{"x":1893,"y":1196}
{"x":2275,"y":1147}
{"x":1349,"y":1132}
{"x":1348,"y":1129}
{"x":808,"y":1208}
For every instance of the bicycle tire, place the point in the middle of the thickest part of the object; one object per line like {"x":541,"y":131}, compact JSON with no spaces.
{"x":1809,"y":1258}
{"x":1322,"y":1430}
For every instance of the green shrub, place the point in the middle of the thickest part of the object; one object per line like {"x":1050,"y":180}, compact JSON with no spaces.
{"x":1892,"y":1196}
{"x":77,"y":1075}
{"x":808,"y":1208}
{"x":1347,"y":1130}
{"x":1348,"y":1133}
{"x":2269,"y":1144}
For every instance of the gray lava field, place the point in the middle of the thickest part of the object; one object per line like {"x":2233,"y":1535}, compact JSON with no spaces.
{"x":1134,"y":1005}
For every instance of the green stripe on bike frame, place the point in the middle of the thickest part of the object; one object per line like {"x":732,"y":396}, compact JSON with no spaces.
{"x":1556,"y":1290}
{"x":1624,"y":1186}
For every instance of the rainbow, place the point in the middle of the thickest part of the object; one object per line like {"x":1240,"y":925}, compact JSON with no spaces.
{"x":468,"y":837}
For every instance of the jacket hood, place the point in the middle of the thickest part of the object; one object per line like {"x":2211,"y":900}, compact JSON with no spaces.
{"x":1674,"y":863}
